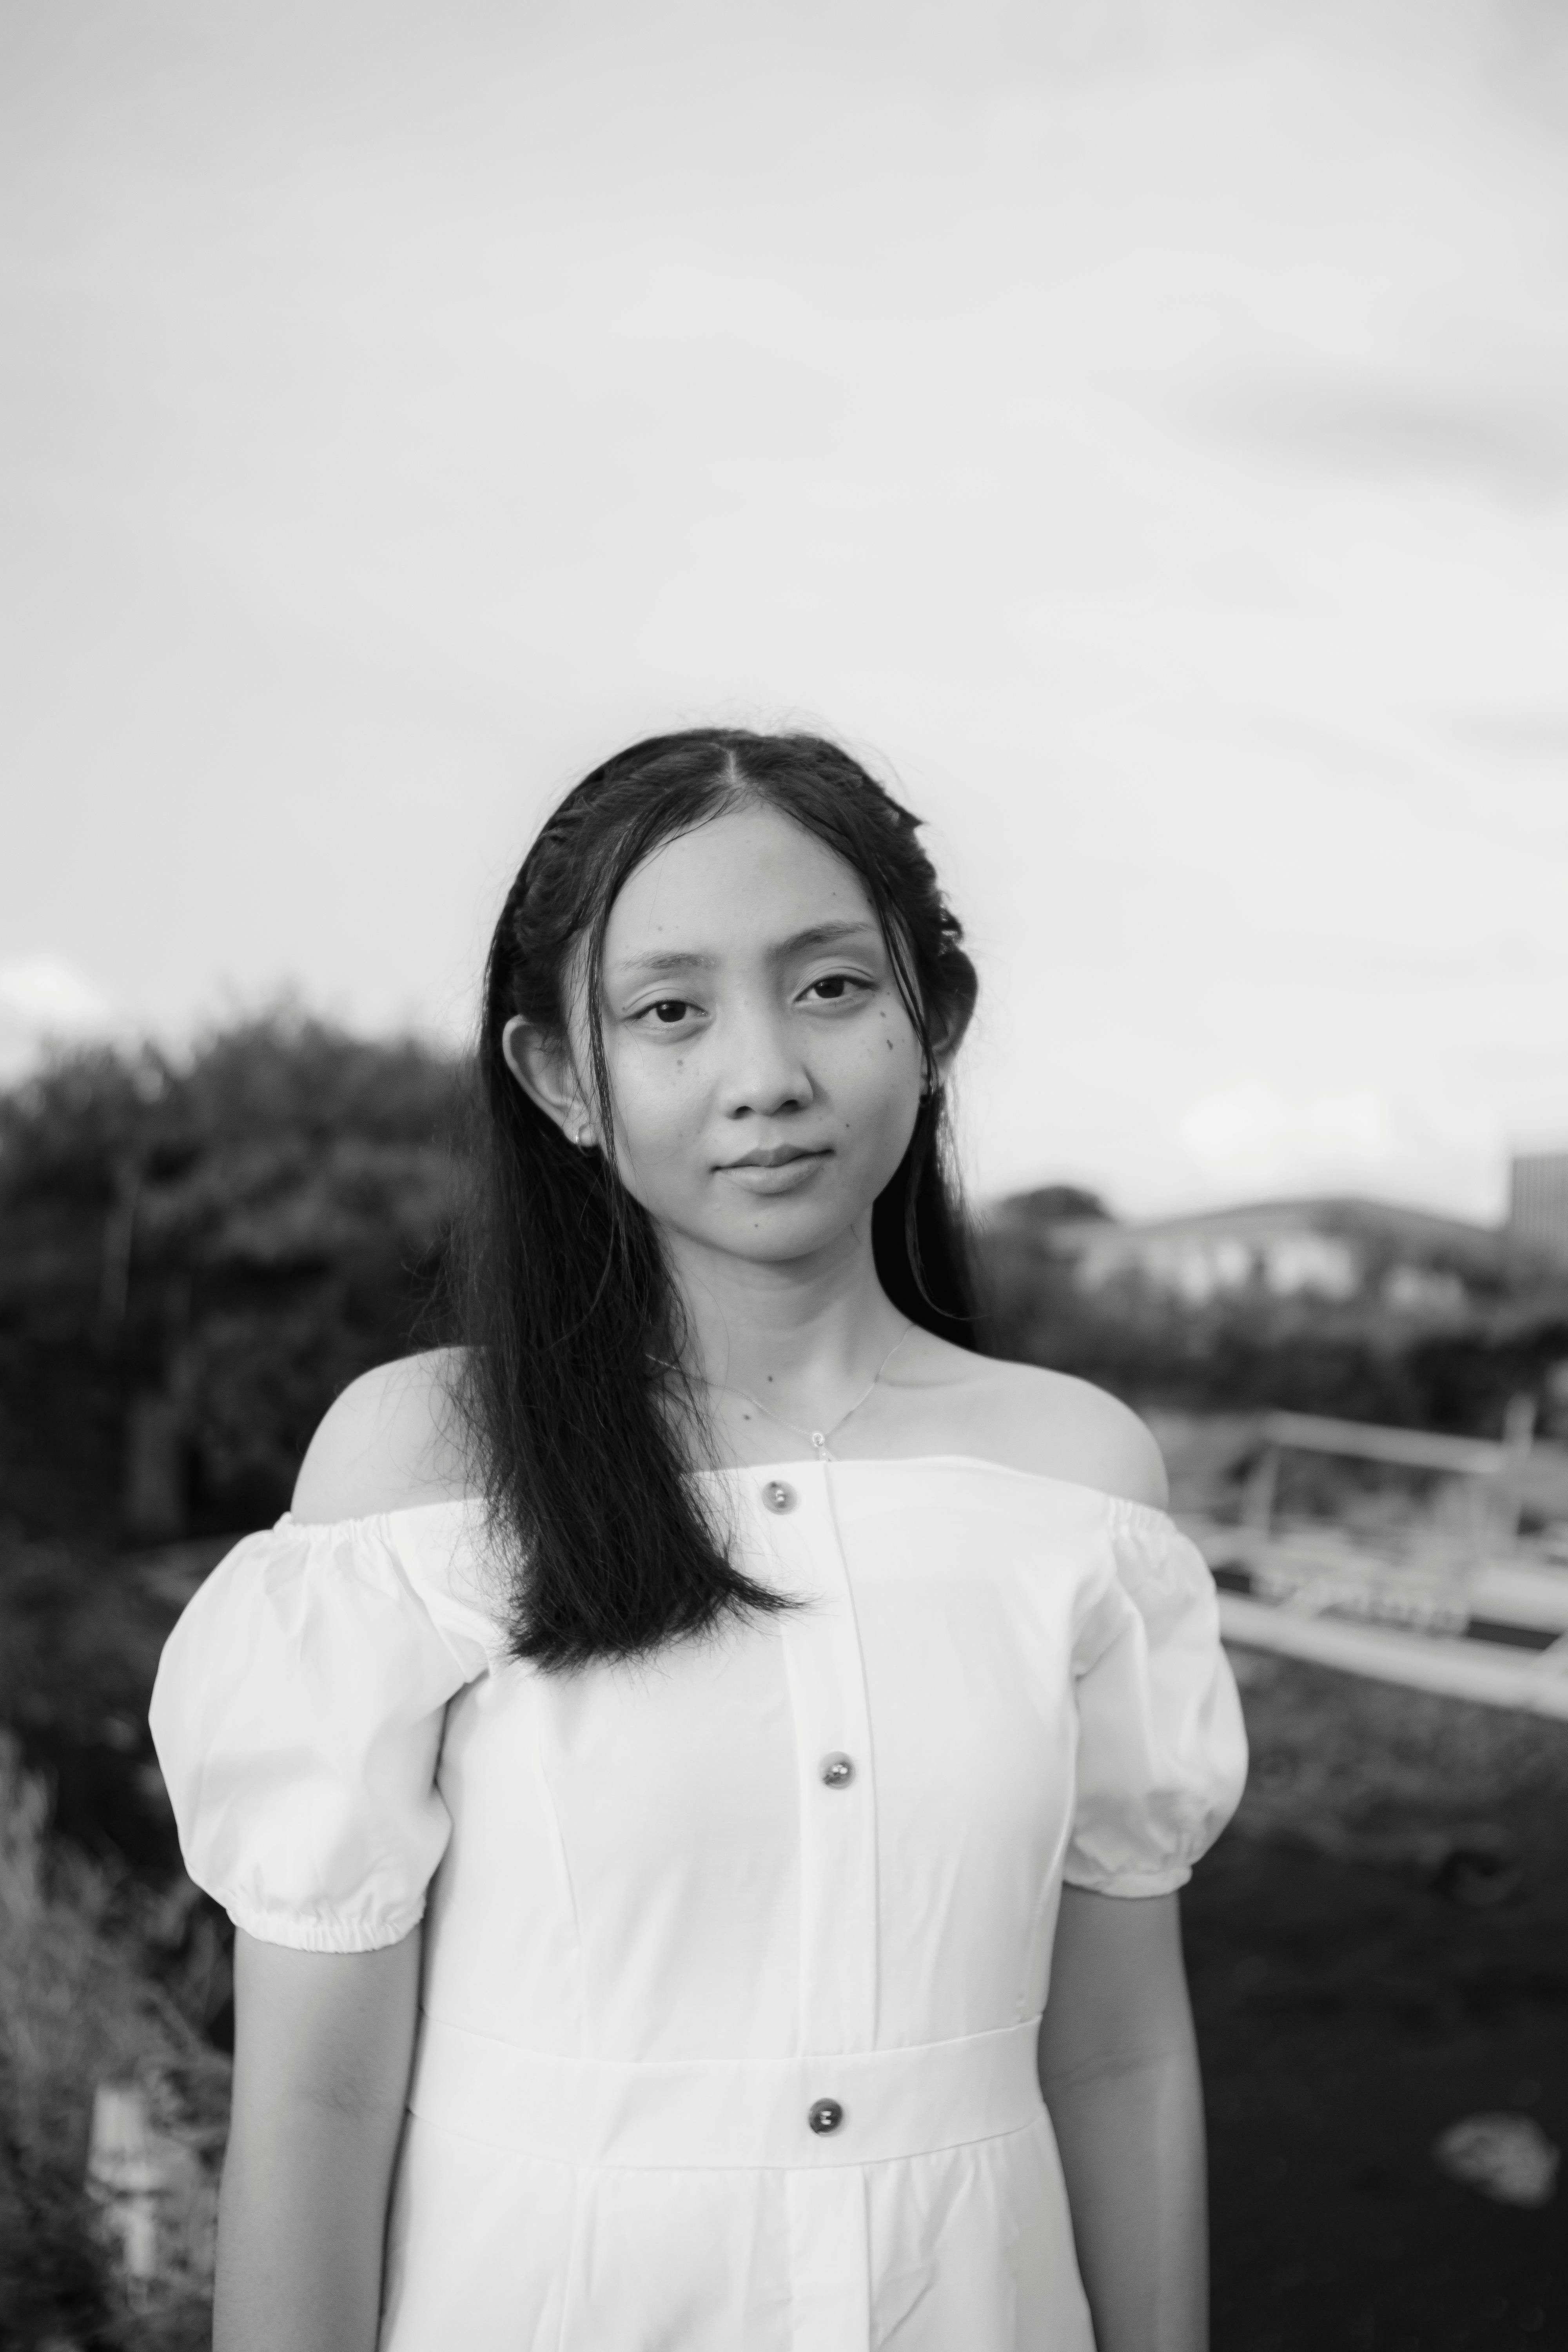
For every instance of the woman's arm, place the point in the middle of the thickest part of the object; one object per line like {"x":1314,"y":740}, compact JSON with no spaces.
{"x":323,"y":2044}
{"x":1120,"y":2072}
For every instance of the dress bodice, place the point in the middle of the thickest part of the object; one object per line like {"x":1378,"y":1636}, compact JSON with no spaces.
{"x":838,"y":1832}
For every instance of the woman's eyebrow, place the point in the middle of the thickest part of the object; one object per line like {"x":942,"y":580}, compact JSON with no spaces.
{"x":664,"y":959}
{"x":826,"y":935}
{"x":667,"y":959}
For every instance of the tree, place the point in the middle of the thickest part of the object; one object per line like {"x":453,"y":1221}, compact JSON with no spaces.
{"x":196,"y":1254}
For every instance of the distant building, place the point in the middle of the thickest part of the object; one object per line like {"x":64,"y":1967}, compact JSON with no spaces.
{"x":1412,"y":1261}
{"x":1538,"y":1203}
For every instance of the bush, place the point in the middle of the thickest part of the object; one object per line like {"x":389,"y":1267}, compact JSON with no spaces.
{"x":76,"y":2011}
{"x":1242,"y":1350}
{"x":196,"y":1255}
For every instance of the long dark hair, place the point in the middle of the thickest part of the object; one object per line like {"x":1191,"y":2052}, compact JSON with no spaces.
{"x":570,"y":1315}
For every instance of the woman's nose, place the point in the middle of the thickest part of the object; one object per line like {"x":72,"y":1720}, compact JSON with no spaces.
{"x":764,"y":1073}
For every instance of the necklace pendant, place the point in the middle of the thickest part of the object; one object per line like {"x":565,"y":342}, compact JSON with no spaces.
{"x":820,"y":1441}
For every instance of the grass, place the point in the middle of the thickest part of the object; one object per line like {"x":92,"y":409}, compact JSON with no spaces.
{"x":77,"y":2009}
{"x":1379,"y":1947}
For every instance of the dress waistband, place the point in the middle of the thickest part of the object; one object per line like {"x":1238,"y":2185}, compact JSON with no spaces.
{"x":691,"y":2114}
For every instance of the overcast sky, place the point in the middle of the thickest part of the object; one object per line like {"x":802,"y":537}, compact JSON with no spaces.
{"x":1142,"y":429}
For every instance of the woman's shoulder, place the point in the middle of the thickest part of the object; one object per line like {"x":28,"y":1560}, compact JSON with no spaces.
{"x":391,"y":1442}
{"x":1054,"y":1425}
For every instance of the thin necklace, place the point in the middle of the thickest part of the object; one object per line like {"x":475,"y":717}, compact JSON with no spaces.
{"x":817,"y":1438}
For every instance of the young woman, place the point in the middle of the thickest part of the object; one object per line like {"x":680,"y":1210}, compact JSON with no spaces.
{"x":773,"y":1694}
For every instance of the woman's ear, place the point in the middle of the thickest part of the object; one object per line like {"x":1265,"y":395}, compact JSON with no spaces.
{"x":544,"y":1070}
{"x":944,"y":1049}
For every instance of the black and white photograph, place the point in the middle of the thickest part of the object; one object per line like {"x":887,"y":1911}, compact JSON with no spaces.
{"x":784,"y":1176}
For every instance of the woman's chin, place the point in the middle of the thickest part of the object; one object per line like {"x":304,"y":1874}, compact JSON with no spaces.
{"x":772,"y":1229}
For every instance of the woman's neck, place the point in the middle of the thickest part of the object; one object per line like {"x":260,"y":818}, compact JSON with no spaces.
{"x":802,"y":1339}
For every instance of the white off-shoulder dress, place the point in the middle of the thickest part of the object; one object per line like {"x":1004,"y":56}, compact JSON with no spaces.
{"x":736,"y":1957}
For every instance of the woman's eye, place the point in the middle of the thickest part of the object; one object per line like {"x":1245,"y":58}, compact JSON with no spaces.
{"x":833,"y":987}
{"x":670,"y":1011}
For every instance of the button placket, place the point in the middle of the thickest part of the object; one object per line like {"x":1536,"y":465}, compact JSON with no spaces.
{"x":838,"y":1924}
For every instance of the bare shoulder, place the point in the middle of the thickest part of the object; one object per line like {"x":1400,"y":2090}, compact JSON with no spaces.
{"x":1045,"y":1423}
{"x":1060,"y":1427}
{"x":389,"y":1443}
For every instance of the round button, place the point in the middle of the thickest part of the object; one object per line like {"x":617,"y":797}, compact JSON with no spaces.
{"x":778,"y":1497}
{"x":825,"y":2115}
{"x":838,"y":1771}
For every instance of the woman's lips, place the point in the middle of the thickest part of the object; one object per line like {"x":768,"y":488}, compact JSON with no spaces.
{"x":782,"y":1169}
{"x":774,"y":1155}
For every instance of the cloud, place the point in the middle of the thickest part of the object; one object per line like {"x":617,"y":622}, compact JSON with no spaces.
{"x":1509,"y":445}
{"x":1254,"y":1135}
{"x":44,"y":1001}
{"x":1529,"y":735}
{"x":1268,"y":1140}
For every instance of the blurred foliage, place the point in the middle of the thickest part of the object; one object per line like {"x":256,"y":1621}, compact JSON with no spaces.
{"x":1051,"y":1204}
{"x":1247,"y":1349}
{"x":196,"y":1255}
{"x":79,"y":1636}
{"x":80,"y":2007}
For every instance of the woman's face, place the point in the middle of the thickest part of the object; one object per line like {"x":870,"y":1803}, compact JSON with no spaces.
{"x":764,"y":1073}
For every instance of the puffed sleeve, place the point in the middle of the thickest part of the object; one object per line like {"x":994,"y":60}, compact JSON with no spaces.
{"x":298,"y":1714}
{"x":1162,"y":1749}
